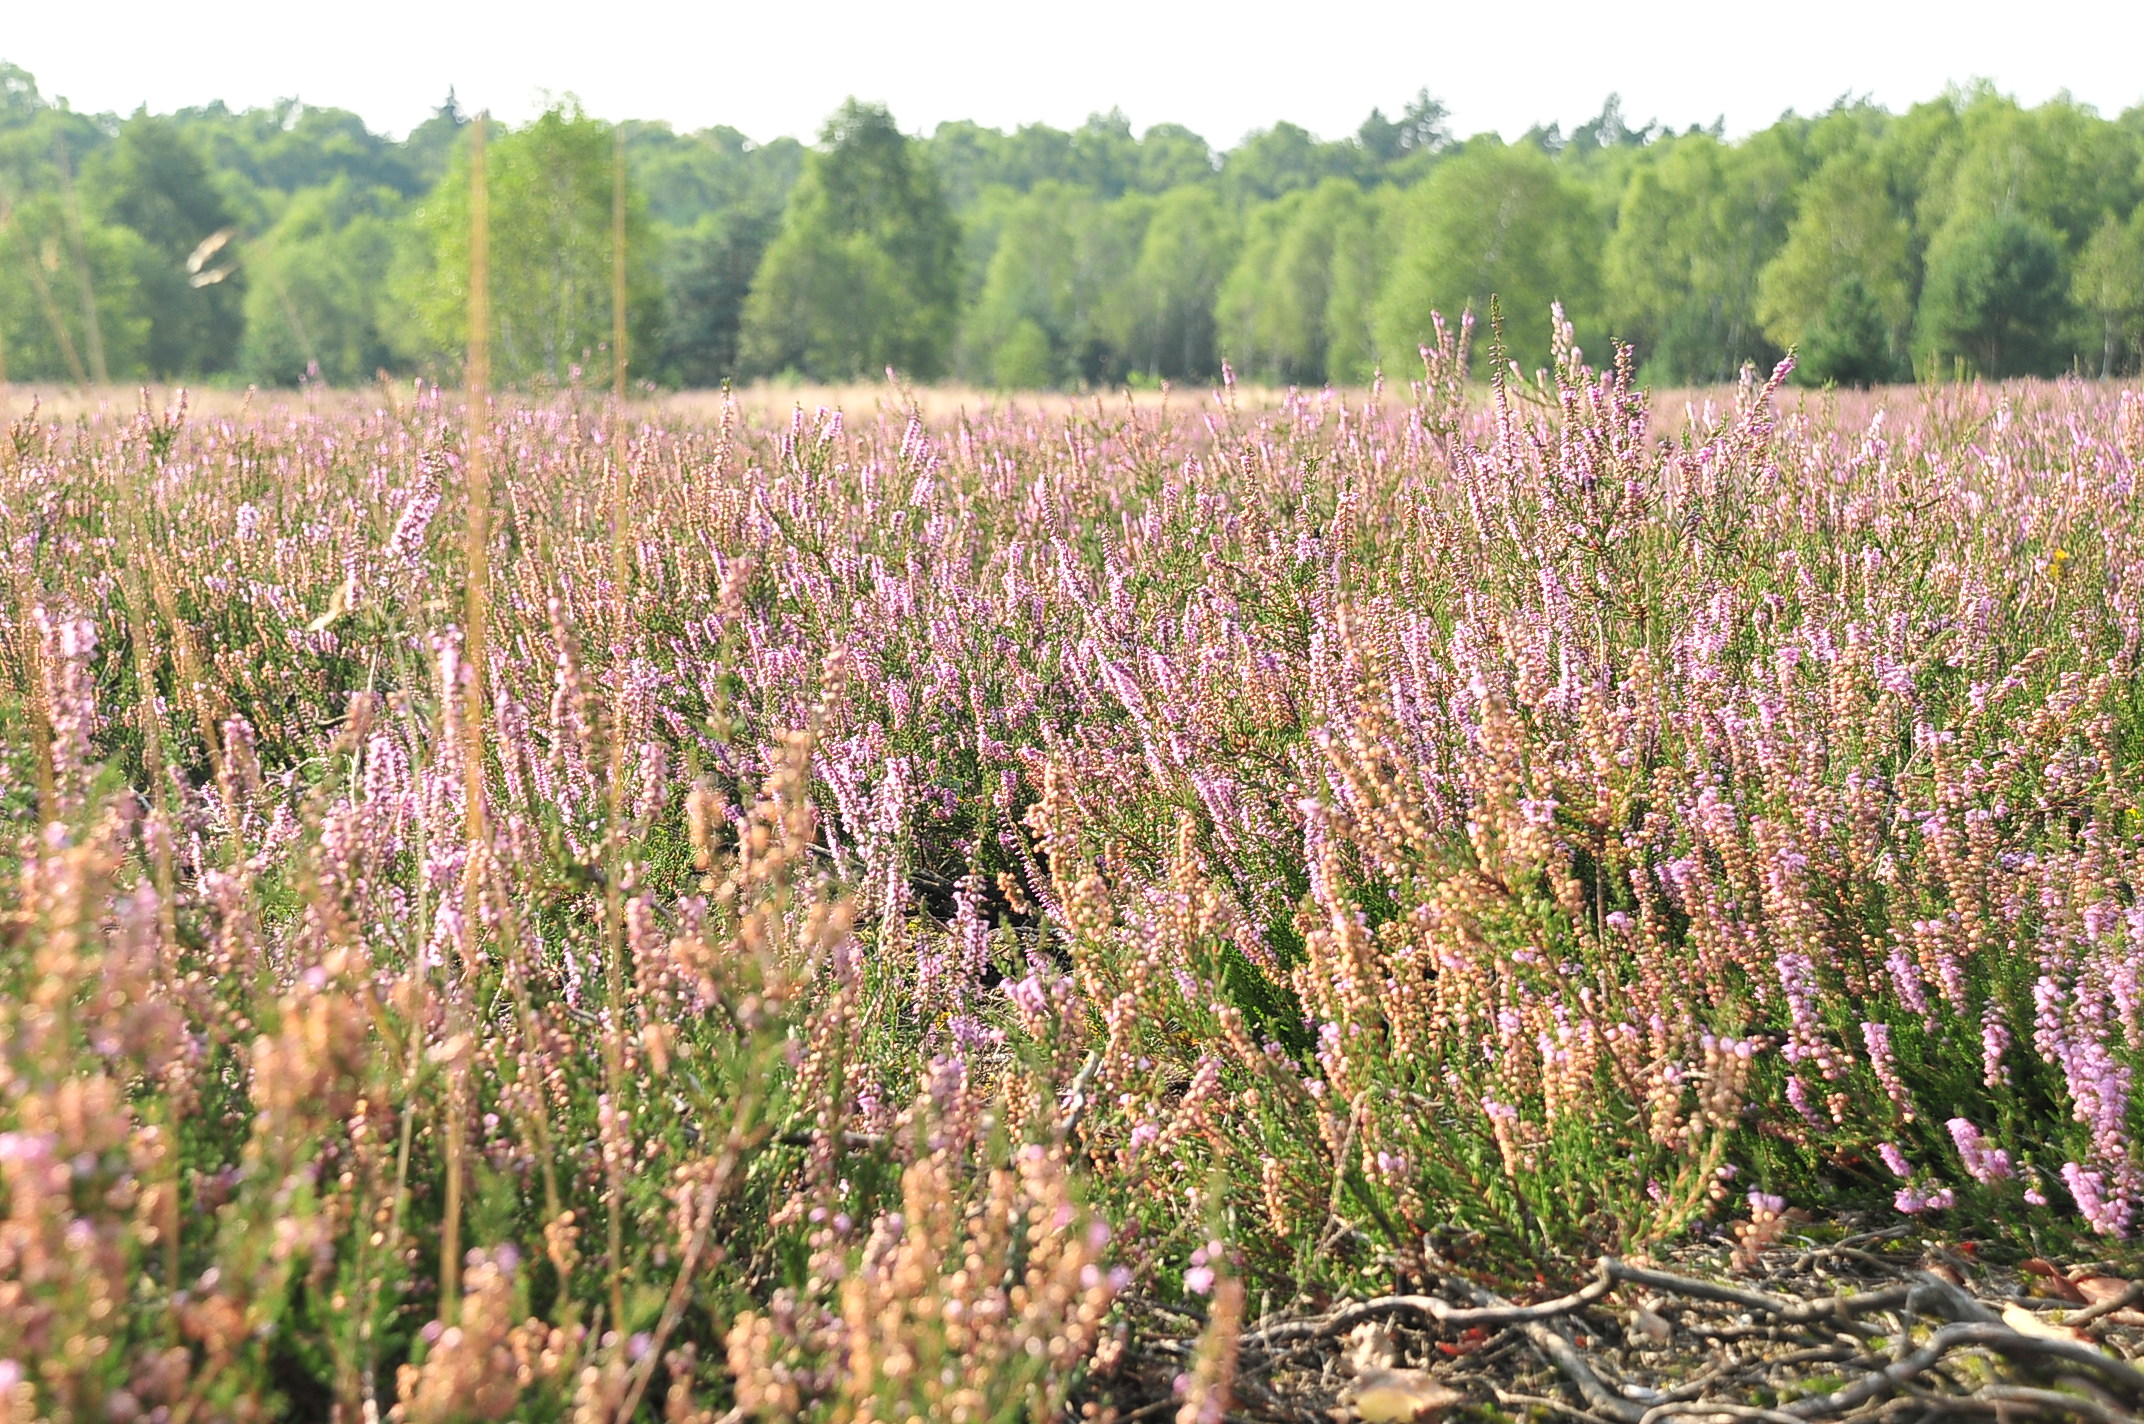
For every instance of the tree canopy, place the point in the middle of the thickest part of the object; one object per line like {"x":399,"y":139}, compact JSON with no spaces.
{"x":864,"y":273}
{"x":1967,"y":234}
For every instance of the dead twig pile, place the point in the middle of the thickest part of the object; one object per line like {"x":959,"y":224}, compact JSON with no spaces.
{"x":1827,"y":1334}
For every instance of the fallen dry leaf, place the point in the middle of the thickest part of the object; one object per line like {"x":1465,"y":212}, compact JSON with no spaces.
{"x":1372,"y":1347}
{"x":2098,"y":1290}
{"x":2058,"y":1285}
{"x":1399,"y":1397}
{"x":2024,"y":1322}
{"x":1649,"y":1324}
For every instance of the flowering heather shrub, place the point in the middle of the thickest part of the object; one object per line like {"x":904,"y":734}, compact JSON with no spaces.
{"x":936,"y":878}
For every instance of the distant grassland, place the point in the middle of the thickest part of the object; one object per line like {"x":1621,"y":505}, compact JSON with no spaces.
{"x":1671,"y":406}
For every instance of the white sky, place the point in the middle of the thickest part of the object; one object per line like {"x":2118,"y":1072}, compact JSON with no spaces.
{"x":773,"y":68}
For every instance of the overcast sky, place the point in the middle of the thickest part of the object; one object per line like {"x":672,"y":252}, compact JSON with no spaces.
{"x":773,"y":69}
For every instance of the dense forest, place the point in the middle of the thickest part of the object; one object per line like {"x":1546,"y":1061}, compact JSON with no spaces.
{"x":1968,"y":235}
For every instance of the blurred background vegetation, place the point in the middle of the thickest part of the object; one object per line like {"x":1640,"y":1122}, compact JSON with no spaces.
{"x":1966,"y":236}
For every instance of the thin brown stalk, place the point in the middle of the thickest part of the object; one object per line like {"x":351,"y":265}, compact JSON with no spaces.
{"x":477,"y":573}
{"x":478,"y":547}
{"x":2122,"y":1301}
{"x":1784,"y":1307}
{"x":614,"y":875}
{"x":1436,"y":1309}
{"x":710,"y":1197}
{"x":196,"y":689}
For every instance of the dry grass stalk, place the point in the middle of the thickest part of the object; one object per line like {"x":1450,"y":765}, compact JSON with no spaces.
{"x":477,"y":575}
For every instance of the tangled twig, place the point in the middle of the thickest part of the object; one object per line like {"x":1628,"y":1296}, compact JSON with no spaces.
{"x":1897,"y":1344}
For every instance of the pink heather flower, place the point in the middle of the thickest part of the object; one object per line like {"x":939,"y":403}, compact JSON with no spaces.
{"x":1766,"y":1204}
{"x":1798,"y":1099}
{"x":1797,"y":979}
{"x":1199,"y":1280}
{"x":1994,"y":1043}
{"x":1881,"y":1058}
{"x":1986,"y":1164}
{"x":2107,"y":1216}
{"x":1895,"y":1160}
{"x":1906,"y":980}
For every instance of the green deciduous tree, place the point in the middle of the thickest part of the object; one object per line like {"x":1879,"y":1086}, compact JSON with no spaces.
{"x":1164,"y":325}
{"x":1423,"y":128}
{"x":1275,"y":307}
{"x":1037,"y":307}
{"x":2058,"y":165}
{"x":865,"y":272}
{"x":41,"y":315}
{"x":1362,"y":247}
{"x":550,"y":187}
{"x":1170,"y":156}
{"x":715,"y":199}
{"x":1285,"y":158}
{"x":2108,"y":287}
{"x":1995,"y":295}
{"x":1698,"y":220}
{"x":430,"y":146}
{"x":1492,"y":220}
{"x":155,"y":182}
{"x":288,"y":146}
{"x":707,"y":272}
{"x":1841,"y":288}
{"x":688,"y":176}
{"x":1061,"y":298}
{"x":319,"y":274}
{"x":1851,"y":341}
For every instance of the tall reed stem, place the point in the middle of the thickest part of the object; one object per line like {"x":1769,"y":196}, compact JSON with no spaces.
{"x":617,"y":855}
{"x":476,"y":615}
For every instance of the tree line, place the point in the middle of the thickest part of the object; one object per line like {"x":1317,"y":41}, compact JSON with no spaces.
{"x":1966,"y":235}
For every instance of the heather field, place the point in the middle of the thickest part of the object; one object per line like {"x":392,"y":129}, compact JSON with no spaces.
{"x":1195,"y":908}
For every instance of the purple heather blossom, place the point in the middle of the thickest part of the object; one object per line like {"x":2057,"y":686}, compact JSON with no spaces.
{"x":1986,"y":1164}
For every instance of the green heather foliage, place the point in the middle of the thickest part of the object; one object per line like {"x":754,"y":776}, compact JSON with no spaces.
{"x":1965,"y":234}
{"x":943,"y":880}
